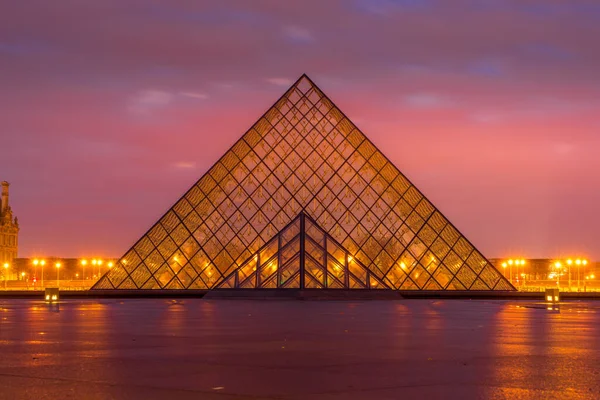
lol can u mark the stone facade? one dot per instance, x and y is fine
(9, 229)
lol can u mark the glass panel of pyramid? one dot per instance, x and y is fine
(305, 155)
(311, 255)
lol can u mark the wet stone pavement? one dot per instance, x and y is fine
(252, 349)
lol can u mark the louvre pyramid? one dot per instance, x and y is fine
(302, 256)
(304, 155)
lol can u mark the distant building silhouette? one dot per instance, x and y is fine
(9, 229)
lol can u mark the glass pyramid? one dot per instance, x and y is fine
(304, 155)
(302, 256)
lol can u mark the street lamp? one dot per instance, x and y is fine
(42, 263)
(57, 272)
(569, 263)
(523, 275)
(5, 274)
(83, 263)
(36, 262)
(516, 262)
(557, 266)
(584, 263)
(578, 263)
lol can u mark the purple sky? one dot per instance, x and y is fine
(110, 110)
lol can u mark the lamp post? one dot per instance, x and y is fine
(522, 263)
(5, 274)
(557, 265)
(35, 264)
(57, 274)
(569, 263)
(578, 263)
(83, 263)
(516, 263)
(587, 278)
(584, 263)
(42, 263)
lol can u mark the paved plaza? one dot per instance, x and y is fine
(253, 349)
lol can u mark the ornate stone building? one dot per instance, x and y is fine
(9, 229)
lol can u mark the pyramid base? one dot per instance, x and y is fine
(303, 294)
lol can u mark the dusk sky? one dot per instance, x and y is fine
(110, 110)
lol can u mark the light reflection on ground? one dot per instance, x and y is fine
(156, 348)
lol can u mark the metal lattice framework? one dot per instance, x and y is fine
(302, 256)
(305, 155)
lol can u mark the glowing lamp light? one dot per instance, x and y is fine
(503, 265)
(552, 295)
(584, 262)
(83, 262)
(36, 261)
(51, 295)
(110, 265)
(578, 261)
(510, 262)
(569, 261)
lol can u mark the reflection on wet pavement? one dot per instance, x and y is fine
(193, 348)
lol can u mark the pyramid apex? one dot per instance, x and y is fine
(304, 83)
(303, 77)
